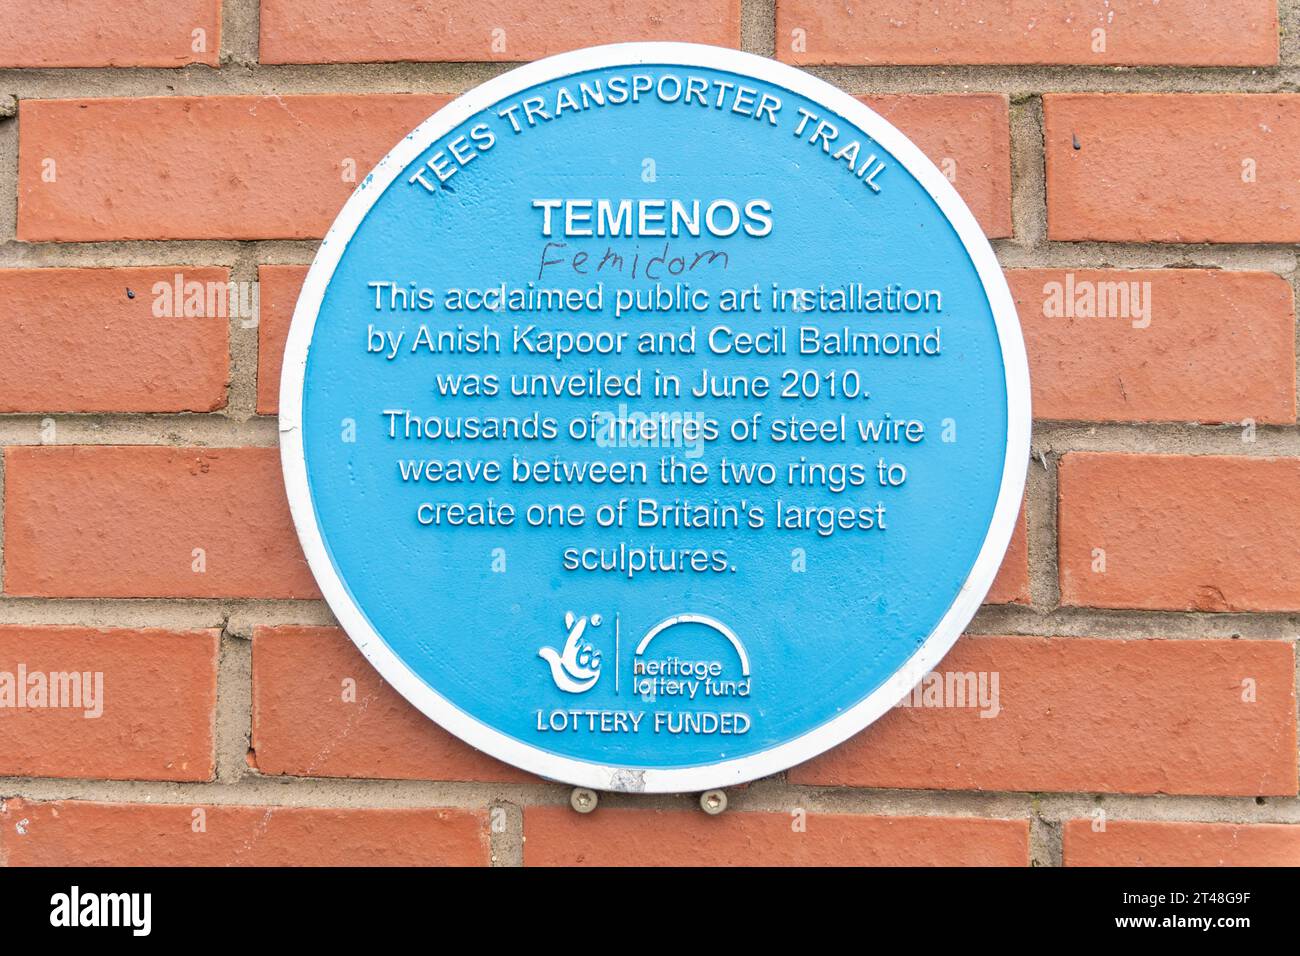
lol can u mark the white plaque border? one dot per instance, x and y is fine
(724, 772)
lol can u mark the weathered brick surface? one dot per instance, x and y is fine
(336, 31)
(279, 286)
(113, 340)
(134, 521)
(556, 836)
(118, 703)
(321, 710)
(1011, 586)
(1091, 32)
(1150, 843)
(37, 33)
(77, 833)
(1158, 345)
(1179, 532)
(1173, 167)
(208, 167)
(968, 136)
(1084, 714)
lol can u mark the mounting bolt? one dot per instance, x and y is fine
(583, 800)
(713, 802)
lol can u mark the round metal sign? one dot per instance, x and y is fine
(654, 417)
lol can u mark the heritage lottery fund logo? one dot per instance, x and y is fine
(631, 490)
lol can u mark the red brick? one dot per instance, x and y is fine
(279, 286)
(1179, 532)
(37, 33)
(968, 136)
(1011, 586)
(1169, 167)
(123, 521)
(1081, 715)
(556, 836)
(216, 167)
(944, 33)
(75, 833)
(303, 726)
(91, 340)
(1214, 347)
(144, 730)
(339, 31)
(1141, 843)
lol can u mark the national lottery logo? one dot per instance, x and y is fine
(576, 667)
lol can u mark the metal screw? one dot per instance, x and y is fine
(583, 800)
(713, 802)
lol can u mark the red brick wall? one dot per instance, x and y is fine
(1143, 629)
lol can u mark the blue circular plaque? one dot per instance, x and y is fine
(654, 417)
